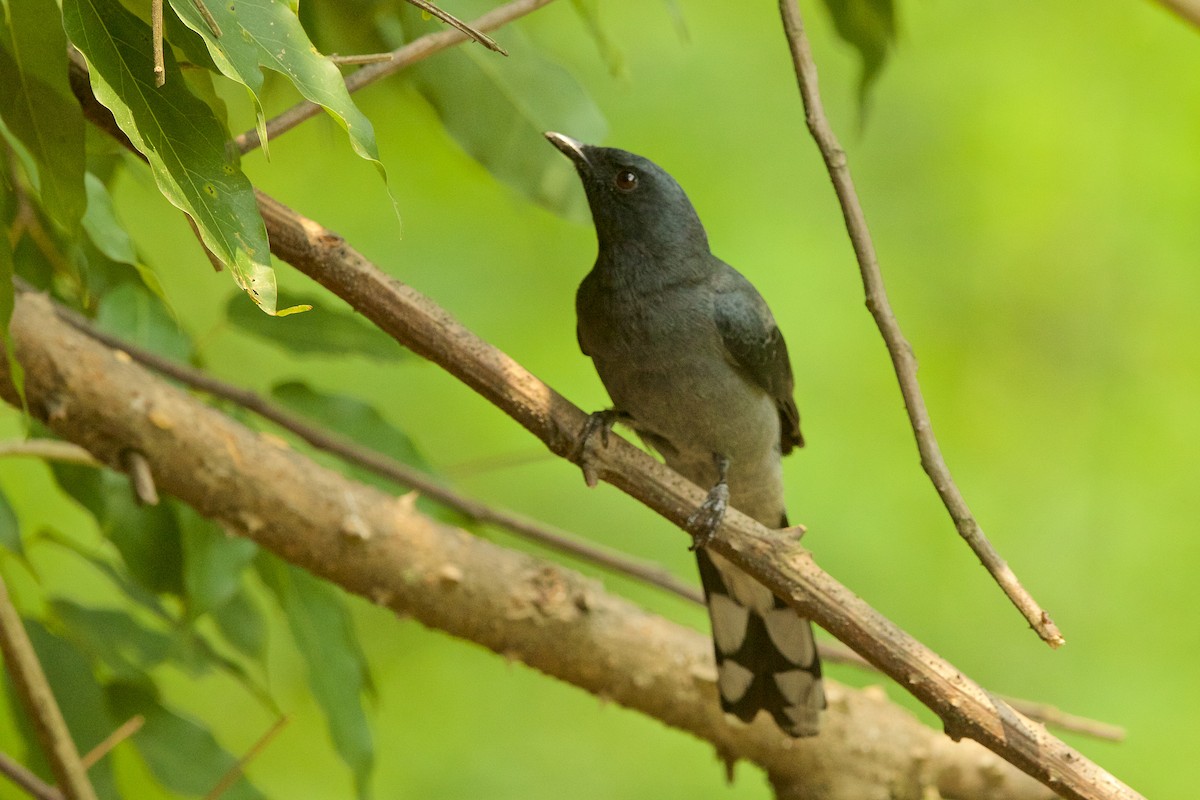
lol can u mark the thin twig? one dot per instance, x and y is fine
(236, 771)
(209, 19)
(140, 478)
(30, 783)
(389, 468)
(405, 56)
(903, 360)
(31, 686)
(49, 450)
(364, 58)
(123, 732)
(156, 32)
(455, 22)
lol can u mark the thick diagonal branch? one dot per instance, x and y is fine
(552, 618)
(903, 360)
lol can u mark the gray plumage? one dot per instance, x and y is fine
(694, 362)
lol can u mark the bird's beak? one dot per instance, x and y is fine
(571, 148)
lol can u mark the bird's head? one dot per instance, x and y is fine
(633, 200)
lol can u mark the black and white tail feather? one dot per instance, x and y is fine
(766, 655)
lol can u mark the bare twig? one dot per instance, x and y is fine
(457, 23)
(237, 770)
(49, 450)
(364, 58)
(31, 784)
(209, 19)
(1185, 9)
(389, 468)
(31, 686)
(525, 608)
(410, 53)
(128, 728)
(903, 360)
(156, 33)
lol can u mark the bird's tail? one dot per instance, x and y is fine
(766, 655)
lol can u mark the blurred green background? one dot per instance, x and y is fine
(1031, 173)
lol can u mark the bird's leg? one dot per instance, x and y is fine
(601, 422)
(705, 520)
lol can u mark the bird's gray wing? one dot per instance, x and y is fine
(755, 345)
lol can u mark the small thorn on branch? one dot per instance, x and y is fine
(138, 469)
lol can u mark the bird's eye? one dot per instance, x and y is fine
(626, 180)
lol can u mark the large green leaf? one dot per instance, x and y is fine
(136, 315)
(267, 33)
(147, 537)
(337, 669)
(181, 752)
(241, 623)
(324, 330)
(38, 107)
(213, 561)
(184, 142)
(8, 211)
(520, 97)
(109, 236)
(125, 645)
(870, 26)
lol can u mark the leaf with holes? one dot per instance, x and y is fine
(184, 142)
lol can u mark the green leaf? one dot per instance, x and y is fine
(147, 537)
(181, 752)
(81, 701)
(184, 142)
(38, 107)
(10, 530)
(241, 623)
(110, 237)
(136, 315)
(326, 330)
(337, 669)
(520, 97)
(870, 26)
(127, 647)
(352, 418)
(213, 561)
(267, 33)
(138, 594)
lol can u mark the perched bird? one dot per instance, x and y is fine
(695, 364)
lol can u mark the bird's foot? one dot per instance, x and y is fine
(597, 422)
(705, 520)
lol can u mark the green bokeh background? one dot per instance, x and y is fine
(1031, 173)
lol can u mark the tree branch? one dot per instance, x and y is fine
(1188, 10)
(552, 618)
(903, 360)
(402, 57)
(30, 783)
(31, 686)
(966, 709)
(529, 529)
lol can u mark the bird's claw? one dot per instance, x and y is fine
(705, 520)
(597, 421)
